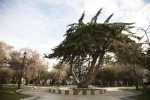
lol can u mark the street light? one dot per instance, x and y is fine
(102, 76)
(24, 56)
(59, 78)
(21, 74)
(24, 53)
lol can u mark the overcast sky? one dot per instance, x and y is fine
(41, 24)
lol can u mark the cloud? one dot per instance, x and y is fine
(27, 23)
(41, 24)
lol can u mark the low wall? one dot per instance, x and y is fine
(78, 91)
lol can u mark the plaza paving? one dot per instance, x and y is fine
(42, 93)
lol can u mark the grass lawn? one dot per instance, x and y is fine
(143, 96)
(9, 93)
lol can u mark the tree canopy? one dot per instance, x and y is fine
(89, 42)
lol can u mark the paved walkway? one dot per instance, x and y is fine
(41, 93)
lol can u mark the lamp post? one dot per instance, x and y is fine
(102, 76)
(24, 56)
(59, 78)
(21, 72)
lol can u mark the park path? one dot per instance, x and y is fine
(42, 93)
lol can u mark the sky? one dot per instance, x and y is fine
(41, 24)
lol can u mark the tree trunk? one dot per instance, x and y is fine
(27, 81)
(52, 82)
(86, 83)
(35, 82)
(140, 79)
(136, 77)
(145, 88)
(91, 72)
(136, 85)
(90, 76)
(19, 82)
(3, 79)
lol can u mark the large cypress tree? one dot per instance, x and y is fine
(88, 43)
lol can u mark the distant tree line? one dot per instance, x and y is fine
(15, 66)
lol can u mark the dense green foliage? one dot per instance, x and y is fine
(89, 42)
(116, 75)
(108, 76)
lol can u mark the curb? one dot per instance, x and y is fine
(129, 98)
(19, 90)
(29, 98)
(78, 91)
